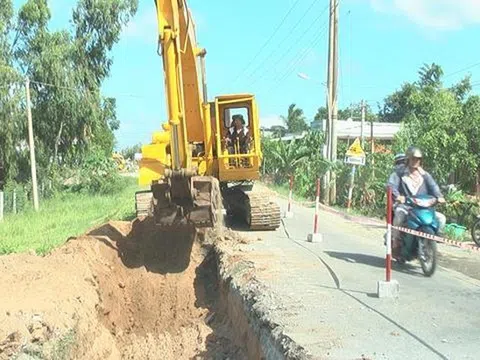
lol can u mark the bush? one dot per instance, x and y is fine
(99, 176)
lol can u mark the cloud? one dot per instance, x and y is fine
(436, 14)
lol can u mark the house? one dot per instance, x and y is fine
(350, 130)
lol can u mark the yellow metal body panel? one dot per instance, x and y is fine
(195, 128)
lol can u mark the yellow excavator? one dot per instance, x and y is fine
(198, 163)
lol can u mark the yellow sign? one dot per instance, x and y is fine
(355, 149)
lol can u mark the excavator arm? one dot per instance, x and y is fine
(181, 191)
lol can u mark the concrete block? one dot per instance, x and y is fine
(288, 215)
(315, 237)
(388, 289)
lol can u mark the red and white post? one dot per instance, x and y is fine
(289, 212)
(388, 288)
(315, 236)
(388, 257)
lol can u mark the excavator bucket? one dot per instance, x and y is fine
(186, 200)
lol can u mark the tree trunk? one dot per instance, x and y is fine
(478, 183)
(57, 140)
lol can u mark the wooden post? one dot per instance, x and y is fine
(1, 205)
(32, 147)
(14, 201)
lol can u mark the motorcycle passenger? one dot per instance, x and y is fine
(399, 163)
(413, 181)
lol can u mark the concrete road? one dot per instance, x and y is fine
(324, 294)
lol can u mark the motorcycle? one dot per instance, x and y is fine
(476, 231)
(421, 218)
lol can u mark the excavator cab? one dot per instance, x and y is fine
(237, 137)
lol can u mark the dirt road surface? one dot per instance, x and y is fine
(120, 292)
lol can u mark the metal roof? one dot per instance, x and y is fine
(348, 129)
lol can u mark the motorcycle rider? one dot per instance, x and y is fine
(413, 180)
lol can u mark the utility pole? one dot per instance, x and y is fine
(32, 147)
(332, 91)
(362, 128)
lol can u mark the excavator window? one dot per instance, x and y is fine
(233, 113)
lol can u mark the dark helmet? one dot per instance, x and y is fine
(400, 158)
(238, 117)
(414, 152)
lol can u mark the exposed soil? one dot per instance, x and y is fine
(124, 291)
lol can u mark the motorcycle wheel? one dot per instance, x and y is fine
(427, 254)
(476, 232)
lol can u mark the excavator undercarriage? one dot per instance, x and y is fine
(202, 207)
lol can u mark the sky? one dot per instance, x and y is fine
(261, 47)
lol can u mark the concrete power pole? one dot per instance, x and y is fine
(33, 163)
(328, 128)
(332, 79)
(362, 128)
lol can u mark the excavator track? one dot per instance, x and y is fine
(264, 214)
(255, 208)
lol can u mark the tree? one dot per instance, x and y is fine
(295, 120)
(430, 75)
(278, 130)
(322, 114)
(130, 151)
(66, 68)
(435, 119)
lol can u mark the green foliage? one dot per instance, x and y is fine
(66, 214)
(67, 68)
(281, 158)
(295, 120)
(99, 175)
(443, 122)
(129, 152)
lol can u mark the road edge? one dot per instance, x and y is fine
(238, 279)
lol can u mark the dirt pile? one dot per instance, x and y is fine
(124, 291)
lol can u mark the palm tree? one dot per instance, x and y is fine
(288, 155)
(295, 120)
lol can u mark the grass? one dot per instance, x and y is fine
(65, 215)
(284, 189)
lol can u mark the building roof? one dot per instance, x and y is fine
(348, 129)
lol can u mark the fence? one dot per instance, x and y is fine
(16, 198)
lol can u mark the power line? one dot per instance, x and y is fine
(462, 70)
(290, 34)
(279, 79)
(85, 90)
(289, 50)
(268, 41)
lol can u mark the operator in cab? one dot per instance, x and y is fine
(238, 132)
(412, 180)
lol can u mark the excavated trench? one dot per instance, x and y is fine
(138, 293)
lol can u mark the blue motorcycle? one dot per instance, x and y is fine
(421, 218)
